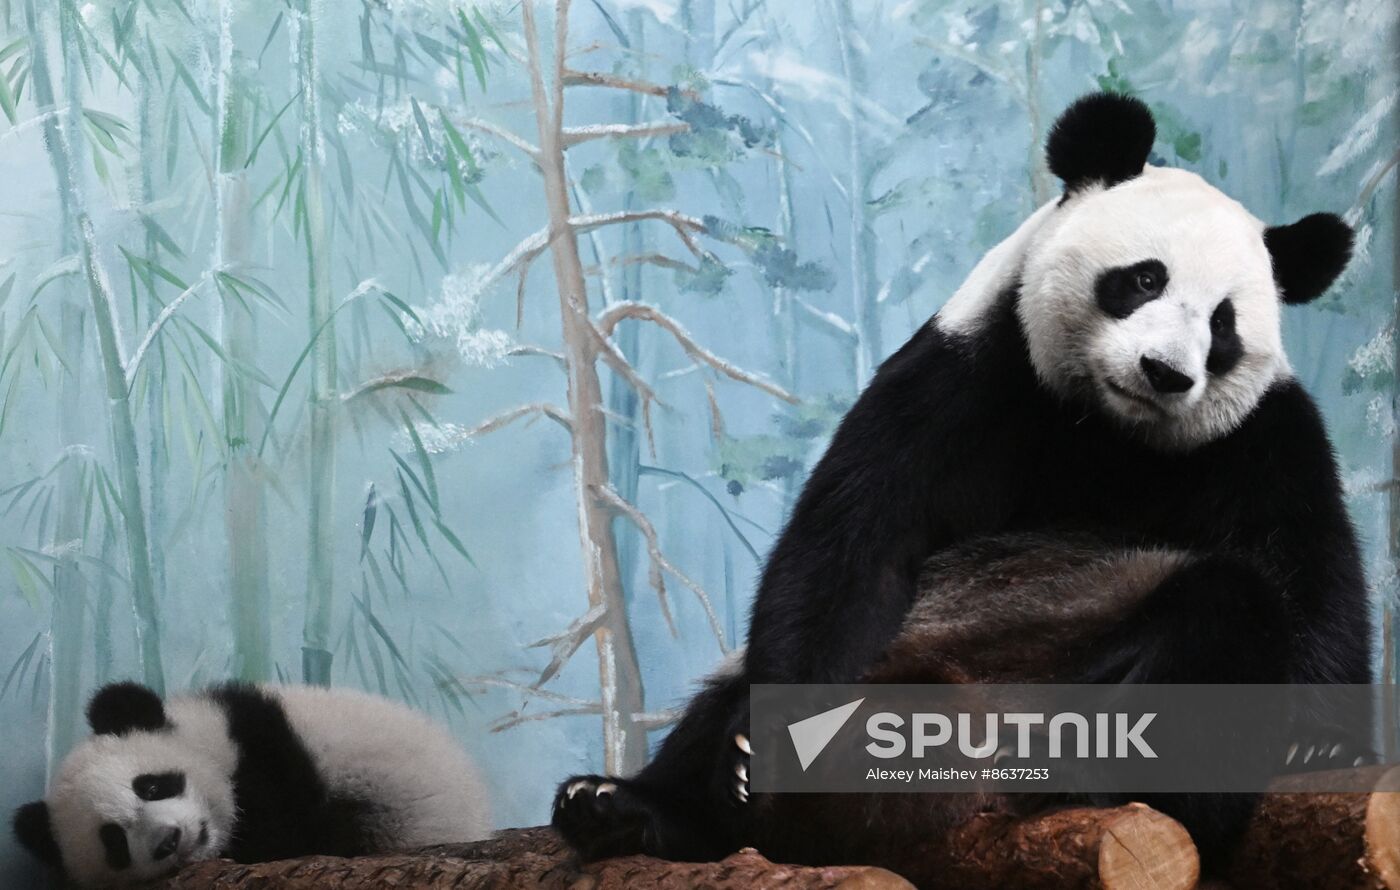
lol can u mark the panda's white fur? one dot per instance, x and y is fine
(416, 785)
(1214, 249)
(93, 787)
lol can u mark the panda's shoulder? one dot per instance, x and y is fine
(1288, 428)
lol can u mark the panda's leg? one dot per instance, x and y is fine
(1212, 621)
(673, 808)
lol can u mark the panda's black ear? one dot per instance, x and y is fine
(119, 708)
(35, 833)
(1308, 255)
(1102, 137)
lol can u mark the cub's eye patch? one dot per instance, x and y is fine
(1226, 348)
(158, 786)
(114, 844)
(1120, 292)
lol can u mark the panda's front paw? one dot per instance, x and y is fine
(1315, 755)
(600, 816)
(741, 754)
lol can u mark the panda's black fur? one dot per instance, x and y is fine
(1253, 573)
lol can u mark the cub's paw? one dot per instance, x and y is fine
(601, 817)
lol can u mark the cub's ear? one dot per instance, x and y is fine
(119, 708)
(1308, 255)
(34, 832)
(1102, 137)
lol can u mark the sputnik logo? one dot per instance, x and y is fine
(811, 736)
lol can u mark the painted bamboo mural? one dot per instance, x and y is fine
(244, 509)
(472, 351)
(320, 573)
(64, 146)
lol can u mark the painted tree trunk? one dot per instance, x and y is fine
(620, 680)
(865, 286)
(60, 132)
(320, 577)
(244, 510)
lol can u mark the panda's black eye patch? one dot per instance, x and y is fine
(114, 845)
(1226, 347)
(1121, 291)
(158, 786)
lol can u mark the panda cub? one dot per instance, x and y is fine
(1113, 372)
(251, 773)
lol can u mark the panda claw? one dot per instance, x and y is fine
(1292, 752)
(576, 787)
(743, 794)
(742, 772)
(742, 742)
(607, 789)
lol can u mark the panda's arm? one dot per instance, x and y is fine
(1298, 520)
(921, 461)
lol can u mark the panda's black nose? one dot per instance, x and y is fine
(1164, 378)
(168, 845)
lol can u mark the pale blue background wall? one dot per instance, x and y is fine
(848, 161)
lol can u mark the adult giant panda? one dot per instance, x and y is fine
(253, 773)
(1114, 369)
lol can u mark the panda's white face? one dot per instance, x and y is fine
(128, 808)
(1156, 300)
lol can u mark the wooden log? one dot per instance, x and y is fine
(1132, 846)
(520, 858)
(1310, 840)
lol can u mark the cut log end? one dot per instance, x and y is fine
(1382, 833)
(1142, 849)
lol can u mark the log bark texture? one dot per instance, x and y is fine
(525, 858)
(1124, 847)
(1132, 846)
(1297, 841)
(1323, 841)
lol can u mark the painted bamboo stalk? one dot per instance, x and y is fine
(157, 459)
(244, 508)
(865, 286)
(60, 132)
(620, 681)
(320, 578)
(67, 624)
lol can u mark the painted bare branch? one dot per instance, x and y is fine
(608, 321)
(505, 418)
(573, 78)
(517, 717)
(564, 644)
(501, 133)
(687, 227)
(539, 351)
(659, 563)
(529, 690)
(828, 321)
(575, 135)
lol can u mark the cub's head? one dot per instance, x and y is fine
(1152, 294)
(140, 798)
